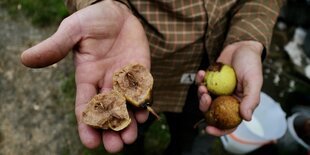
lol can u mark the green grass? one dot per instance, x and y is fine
(157, 137)
(41, 12)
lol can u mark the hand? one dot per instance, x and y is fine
(105, 37)
(245, 58)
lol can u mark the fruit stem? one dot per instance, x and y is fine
(199, 123)
(153, 112)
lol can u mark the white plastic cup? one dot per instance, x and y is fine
(267, 125)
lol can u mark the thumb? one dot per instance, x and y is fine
(54, 48)
(250, 99)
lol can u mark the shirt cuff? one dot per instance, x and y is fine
(251, 31)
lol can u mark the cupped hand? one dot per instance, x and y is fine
(245, 58)
(104, 37)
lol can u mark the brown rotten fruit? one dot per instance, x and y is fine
(135, 82)
(107, 111)
(224, 113)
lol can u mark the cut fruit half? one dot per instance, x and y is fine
(135, 82)
(107, 111)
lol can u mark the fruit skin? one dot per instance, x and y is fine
(220, 79)
(224, 113)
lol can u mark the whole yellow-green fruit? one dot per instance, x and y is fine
(220, 79)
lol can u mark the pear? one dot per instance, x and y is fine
(220, 79)
(224, 112)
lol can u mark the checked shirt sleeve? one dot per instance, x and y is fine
(254, 20)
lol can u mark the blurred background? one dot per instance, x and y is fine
(37, 105)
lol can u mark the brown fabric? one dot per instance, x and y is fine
(180, 31)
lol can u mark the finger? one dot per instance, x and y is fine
(129, 134)
(112, 141)
(205, 102)
(248, 105)
(105, 89)
(89, 136)
(141, 115)
(54, 48)
(250, 99)
(202, 90)
(217, 132)
(199, 77)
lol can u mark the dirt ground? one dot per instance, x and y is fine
(37, 111)
(33, 110)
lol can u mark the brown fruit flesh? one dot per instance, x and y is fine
(224, 113)
(107, 111)
(135, 82)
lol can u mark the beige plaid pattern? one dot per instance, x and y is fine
(179, 31)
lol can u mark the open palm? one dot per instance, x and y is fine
(104, 37)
